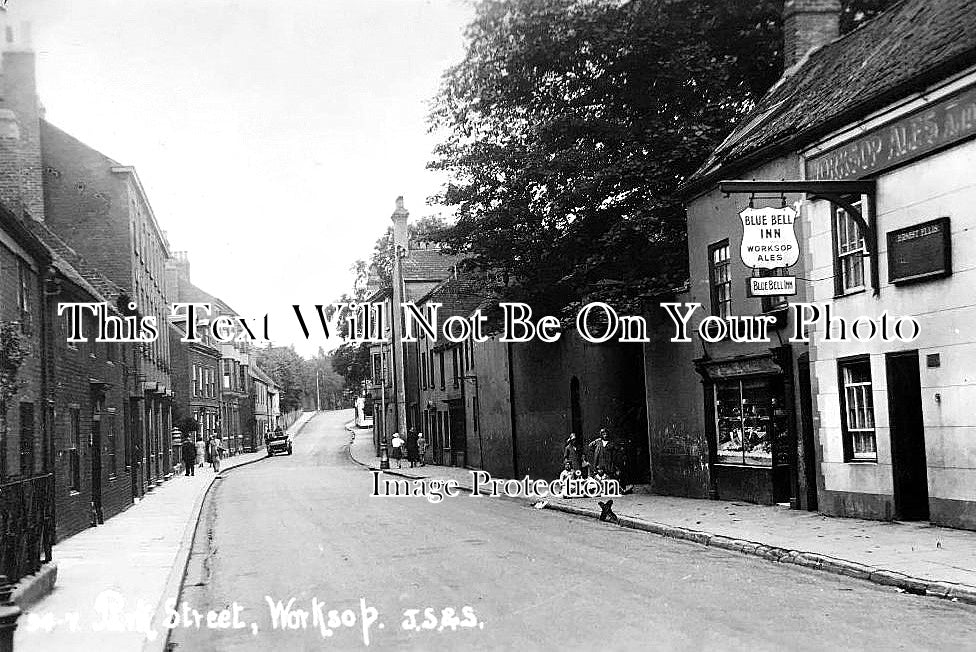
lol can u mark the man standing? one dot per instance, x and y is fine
(189, 453)
(601, 453)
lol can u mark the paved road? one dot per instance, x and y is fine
(305, 527)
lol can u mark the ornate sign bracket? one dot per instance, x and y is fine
(837, 193)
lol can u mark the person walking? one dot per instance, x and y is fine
(189, 454)
(397, 444)
(422, 448)
(201, 451)
(413, 453)
(215, 452)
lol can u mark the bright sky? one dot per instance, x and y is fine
(272, 137)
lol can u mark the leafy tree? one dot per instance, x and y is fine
(286, 368)
(321, 380)
(569, 124)
(431, 227)
(352, 362)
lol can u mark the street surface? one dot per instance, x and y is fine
(306, 527)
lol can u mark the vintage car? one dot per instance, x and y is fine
(277, 442)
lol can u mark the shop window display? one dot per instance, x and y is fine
(749, 419)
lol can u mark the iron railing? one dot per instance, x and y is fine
(26, 525)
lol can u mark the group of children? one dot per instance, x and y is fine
(414, 448)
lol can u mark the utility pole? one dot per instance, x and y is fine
(318, 393)
(399, 218)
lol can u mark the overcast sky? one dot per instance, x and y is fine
(272, 137)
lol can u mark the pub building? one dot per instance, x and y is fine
(875, 131)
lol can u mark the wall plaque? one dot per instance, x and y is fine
(920, 252)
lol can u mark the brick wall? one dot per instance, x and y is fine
(73, 425)
(29, 375)
(86, 204)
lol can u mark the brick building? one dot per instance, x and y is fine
(235, 410)
(509, 408)
(261, 421)
(101, 210)
(196, 380)
(92, 460)
(424, 267)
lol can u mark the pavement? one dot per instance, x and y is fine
(309, 558)
(913, 557)
(113, 579)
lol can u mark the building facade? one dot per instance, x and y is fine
(881, 426)
(122, 238)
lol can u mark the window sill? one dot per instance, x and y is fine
(867, 462)
(851, 293)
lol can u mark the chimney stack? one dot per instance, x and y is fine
(21, 180)
(808, 25)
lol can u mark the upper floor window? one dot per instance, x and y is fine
(857, 410)
(849, 252)
(24, 297)
(720, 278)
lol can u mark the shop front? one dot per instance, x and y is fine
(750, 427)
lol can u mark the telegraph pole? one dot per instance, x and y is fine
(318, 393)
(399, 218)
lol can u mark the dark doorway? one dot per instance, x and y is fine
(809, 456)
(907, 437)
(96, 469)
(459, 435)
(576, 413)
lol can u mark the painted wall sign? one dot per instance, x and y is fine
(771, 286)
(769, 238)
(920, 252)
(947, 121)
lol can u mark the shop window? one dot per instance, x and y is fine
(750, 416)
(849, 251)
(720, 278)
(857, 410)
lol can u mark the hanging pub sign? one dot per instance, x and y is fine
(769, 242)
(920, 252)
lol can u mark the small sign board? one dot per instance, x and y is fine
(768, 238)
(771, 286)
(920, 252)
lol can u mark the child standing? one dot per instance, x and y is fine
(397, 444)
(422, 448)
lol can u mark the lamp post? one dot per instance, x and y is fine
(384, 456)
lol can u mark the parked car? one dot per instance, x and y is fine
(277, 442)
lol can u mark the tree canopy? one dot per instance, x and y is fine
(568, 125)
